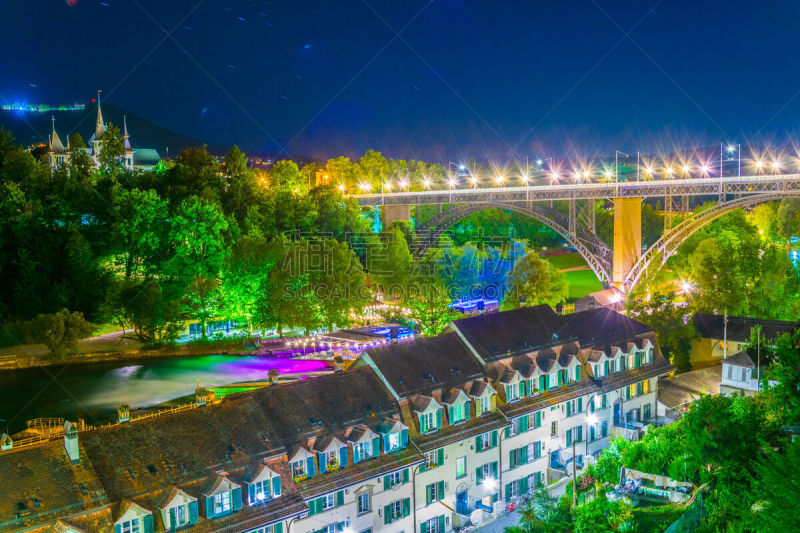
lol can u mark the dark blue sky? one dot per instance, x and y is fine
(486, 78)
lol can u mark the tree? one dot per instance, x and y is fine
(111, 151)
(143, 306)
(60, 332)
(671, 322)
(285, 176)
(202, 297)
(776, 490)
(197, 238)
(789, 218)
(765, 218)
(429, 308)
(545, 514)
(390, 264)
(80, 163)
(341, 286)
(140, 226)
(534, 281)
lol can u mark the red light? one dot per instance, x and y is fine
(94, 100)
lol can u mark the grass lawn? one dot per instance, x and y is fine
(566, 261)
(581, 283)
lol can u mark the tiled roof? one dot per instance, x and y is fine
(658, 367)
(683, 388)
(713, 327)
(43, 474)
(740, 359)
(416, 367)
(498, 335)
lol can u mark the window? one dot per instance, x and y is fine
(457, 413)
(363, 503)
(299, 468)
(512, 490)
(395, 478)
(434, 492)
(427, 422)
(131, 526)
(554, 428)
(512, 393)
(632, 391)
(536, 420)
(181, 516)
(461, 466)
(327, 502)
(222, 502)
(332, 459)
(394, 441)
(261, 490)
(361, 451)
(632, 361)
(645, 386)
(486, 404)
(268, 529)
(431, 526)
(513, 430)
(486, 441)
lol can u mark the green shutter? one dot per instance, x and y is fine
(580, 405)
(478, 444)
(523, 485)
(569, 437)
(438, 419)
(508, 491)
(478, 476)
(423, 527)
(405, 475)
(522, 455)
(278, 528)
(117, 528)
(569, 409)
(387, 514)
(376, 447)
(193, 515)
(429, 494)
(523, 424)
(538, 419)
(467, 409)
(494, 438)
(440, 490)
(386, 482)
(441, 522)
(512, 459)
(440, 457)
(494, 470)
(450, 415)
(172, 519)
(537, 449)
(340, 498)
(406, 506)
(148, 523)
(577, 373)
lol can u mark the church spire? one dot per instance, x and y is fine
(125, 137)
(55, 143)
(99, 128)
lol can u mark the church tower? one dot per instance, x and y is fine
(57, 154)
(99, 130)
(128, 157)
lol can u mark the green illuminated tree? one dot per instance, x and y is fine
(202, 297)
(535, 281)
(140, 226)
(284, 175)
(197, 236)
(111, 151)
(390, 264)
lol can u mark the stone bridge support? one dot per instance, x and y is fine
(392, 213)
(627, 237)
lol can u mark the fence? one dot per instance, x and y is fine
(690, 520)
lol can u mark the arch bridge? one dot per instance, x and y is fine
(622, 263)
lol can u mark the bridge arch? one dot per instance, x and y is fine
(596, 253)
(669, 242)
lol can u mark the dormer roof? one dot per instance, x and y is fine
(454, 396)
(169, 495)
(326, 444)
(258, 472)
(480, 389)
(360, 433)
(298, 450)
(545, 360)
(509, 374)
(215, 481)
(421, 403)
(389, 425)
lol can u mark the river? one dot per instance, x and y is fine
(93, 391)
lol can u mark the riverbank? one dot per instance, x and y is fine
(114, 347)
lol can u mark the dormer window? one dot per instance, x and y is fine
(361, 451)
(299, 469)
(222, 503)
(133, 525)
(457, 414)
(427, 422)
(512, 393)
(394, 442)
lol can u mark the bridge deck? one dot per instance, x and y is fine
(584, 191)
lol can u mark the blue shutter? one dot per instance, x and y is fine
(342, 456)
(209, 507)
(404, 438)
(276, 486)
(251, 493)
(117, 528)
(148, 523)
(278, 528)
(193, 514)
(376, 447)
(323, 463)
(237, 498)
(310, 467)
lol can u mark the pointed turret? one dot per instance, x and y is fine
(56, 146)
(100, 127)
(125, 137)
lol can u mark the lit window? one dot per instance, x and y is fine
(222, 502)
(431, 526)
(427, 422)
(361, 451)
(181, 517)
(461, 466)
(261, 491)
(394, 441)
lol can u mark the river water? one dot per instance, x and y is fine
(93, 391)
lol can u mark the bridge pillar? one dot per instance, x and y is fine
(391, 213)
(627, 236)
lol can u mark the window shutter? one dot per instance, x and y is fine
(278, 528)
(386, 482)
(441, 523)
(440, 457)
(569, 437)
(405, 475)
(580, 405)
(429, 494)
(508, 491)
(493, 402)
(209, 507)
(406, 506)
(310, 467)
(236, 496)
(523, 424)
(376, 447)
(538, 419)
(569, 409)
(340, 498)
(172, 520)
(387, 514)
(494, 470)
(538, 449)
(450, 414)
(438, 419)
(312, 507)
(577, 373)
(440, 490)
(512, 459)
(148, 522)
(386, 446)
(494, 438)
(478, 476)
(478, 444)
(542, 383)
(467, 409)
(323, 463)
(342, 456)
(423, 527)
(276, 486)
(404, 438)
(251, 494)
(522, 455)
(117, 528)
(193, 514)
(523, 485)
(604, 428)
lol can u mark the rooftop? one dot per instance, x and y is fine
(713, 327)
(687, 387)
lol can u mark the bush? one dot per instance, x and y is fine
(60, 332)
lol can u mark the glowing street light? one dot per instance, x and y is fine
(554, 176)
(426, 182)
(776, 165)
(387, 185)
(474, 182)
(452, 182)
(759, 165)
(578, 175)
(668, 171)
(685, 169)
(365, 186)
(341, 187)
(403, 184)
(648, 171)
(587, 174)
(687, 286)
(490, 484)
(704, 169)
(609, 174)
(499, 180)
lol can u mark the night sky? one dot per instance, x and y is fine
(485, 78)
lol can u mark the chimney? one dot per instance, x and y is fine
(123, 413)
(5, 442)
(71, 442)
